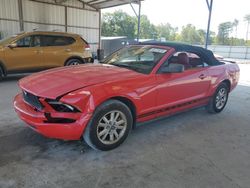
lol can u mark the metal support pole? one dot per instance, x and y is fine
(20, 12)
(100, 30)
(210, 8)
(139, 22)
(247, 32)
(66, 18)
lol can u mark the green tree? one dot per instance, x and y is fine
(166, 31)
(191, 35)
(118, 24)
(225, 29)
(235, 24)
(247, 19)
(148, 30)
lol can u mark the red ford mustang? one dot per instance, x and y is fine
(103, 102)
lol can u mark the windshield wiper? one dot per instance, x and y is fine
(121, 65)
(127, 67)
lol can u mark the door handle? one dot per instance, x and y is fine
(202, 76)
(68, 50)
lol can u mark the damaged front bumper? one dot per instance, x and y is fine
(59, 125)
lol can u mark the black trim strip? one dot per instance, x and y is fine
(169, 108)
(57, 120)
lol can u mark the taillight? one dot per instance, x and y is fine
(87, 47)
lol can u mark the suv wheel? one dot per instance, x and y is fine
(73, 62)
(109, 126)
(1, 73)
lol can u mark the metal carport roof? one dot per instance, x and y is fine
(101, 4)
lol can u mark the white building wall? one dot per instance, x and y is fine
(9, 17)
(84, 23)
(43, 13)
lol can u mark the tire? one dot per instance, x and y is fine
(1, 73)
(99, 131)
(219, 100)
(74, 61)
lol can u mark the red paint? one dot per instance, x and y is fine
(86, 87)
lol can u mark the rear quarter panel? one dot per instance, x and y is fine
(220, 73)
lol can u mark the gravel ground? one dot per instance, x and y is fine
(192, 149)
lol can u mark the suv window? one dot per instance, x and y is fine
(36, 41)
(56, 40)
(24, 42)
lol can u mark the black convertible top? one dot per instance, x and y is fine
(207, 55)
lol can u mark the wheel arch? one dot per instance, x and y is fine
(74, 57)
(228, 83)
(129, 104)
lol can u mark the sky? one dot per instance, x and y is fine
(181, 12)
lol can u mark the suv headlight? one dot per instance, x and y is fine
(62, 107)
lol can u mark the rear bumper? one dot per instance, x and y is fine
(39, 123)
(88, 60)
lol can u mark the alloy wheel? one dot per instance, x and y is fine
(221, 98)
(111, 127)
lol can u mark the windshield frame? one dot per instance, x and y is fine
(108, 58)
(12, 38)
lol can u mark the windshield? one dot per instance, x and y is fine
(6, 40)
(9, 39)
(138, 58)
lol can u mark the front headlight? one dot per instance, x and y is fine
(62, 107)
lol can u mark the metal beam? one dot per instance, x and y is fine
(20, 12)
(134, 10)
(101, 4)
(210, 8)
(139, 23)
(138, 15)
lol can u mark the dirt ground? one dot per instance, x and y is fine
(192, 149)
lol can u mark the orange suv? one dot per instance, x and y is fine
(34, 51)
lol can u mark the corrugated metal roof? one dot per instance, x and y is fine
(101, 4)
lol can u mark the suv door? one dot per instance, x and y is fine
(57, 49)
(177, 89)
(25, 56)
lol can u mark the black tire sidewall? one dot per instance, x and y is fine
(68, 63)
(222, 85)
(91, 130)
(1, 73)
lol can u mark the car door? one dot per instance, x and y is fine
(177, 89)
(57, 49)
(24, 56)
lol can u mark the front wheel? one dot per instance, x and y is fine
(1, 73)
(219, 100)
(109, 126)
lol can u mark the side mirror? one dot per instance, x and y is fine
(173, 68)
(12, 45)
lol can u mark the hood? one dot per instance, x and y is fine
(57, 82)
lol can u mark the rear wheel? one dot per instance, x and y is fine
(1, 73)
(109, 127)
(219, 100)
(71, 62)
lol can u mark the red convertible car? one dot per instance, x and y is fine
(103, 102)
